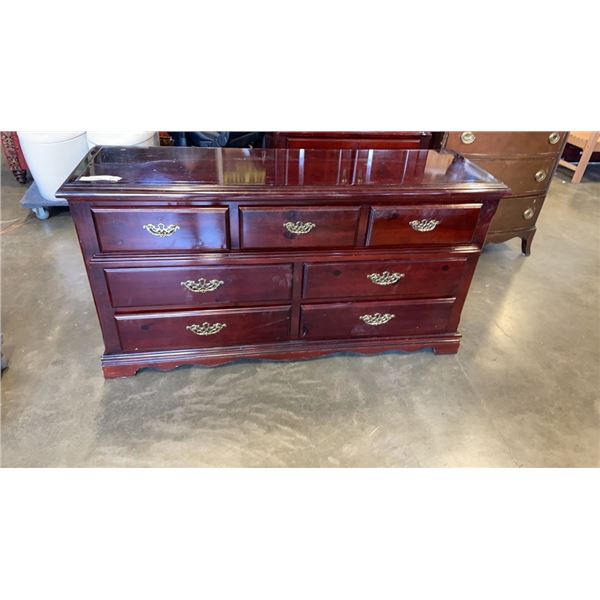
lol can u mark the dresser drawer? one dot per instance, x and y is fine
(517, 213)
(522, 176)
(392, 278)
(199, 286)
(298, 227)
(422, 224)
(202, 329)
(158, 229)
(505, 142)
(375, 319)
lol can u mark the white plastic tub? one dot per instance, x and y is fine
(51, 156)
(122, 138)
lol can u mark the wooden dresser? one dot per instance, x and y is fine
(359, 140)
(525, 161)
(204, 256)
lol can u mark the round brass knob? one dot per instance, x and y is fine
(467, 137)
(540, 175)
(528, 214)
(554, 137)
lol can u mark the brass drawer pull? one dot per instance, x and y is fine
(385, 278)
(377, 318)
(202, 286)
(528, 214)
(161, 230)
(554, 137)
(299, 228)
(540, 175)
(206, 328)
(467, 137)
(424, 225)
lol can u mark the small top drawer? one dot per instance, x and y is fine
(422, 224)
(505, 142)
(298, 227)
(159, 229)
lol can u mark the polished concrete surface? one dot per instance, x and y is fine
(522, 391)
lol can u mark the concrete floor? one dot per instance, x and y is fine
(522, 391)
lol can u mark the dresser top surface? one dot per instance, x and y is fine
(115, 168)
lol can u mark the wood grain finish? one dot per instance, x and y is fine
(354, 144)
(346, 147)
(350, 140)
(351, 320)
(317, 168)
(367, 169)
(234, 327)
(520, 174)
(519, 212)
(199, 286)
(507, 143)
(325, 227)
(128, 364)
(377, 279)
(398, 225)
(239, 283)
(125, 229)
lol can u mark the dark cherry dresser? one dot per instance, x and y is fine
(204, 256)
(525, 161)
(349, 140)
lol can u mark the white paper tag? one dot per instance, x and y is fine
(109, 178)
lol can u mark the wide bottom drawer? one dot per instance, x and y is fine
(203, 328)
(375, 319)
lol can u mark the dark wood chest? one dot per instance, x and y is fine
(204, 256)
(525, 161)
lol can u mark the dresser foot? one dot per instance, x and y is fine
(450, 348)
(526, 240)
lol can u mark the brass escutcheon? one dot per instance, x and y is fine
(299, 227)
(202, 286)
(377, 318)
(161, 230)
(424, 225)
(206, 328)
(385, 278)
(467, 137)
